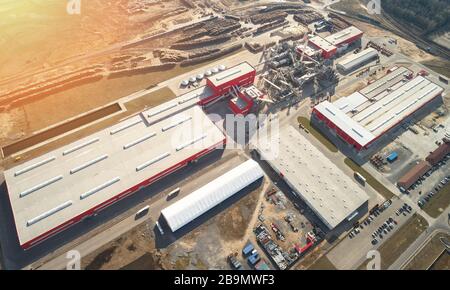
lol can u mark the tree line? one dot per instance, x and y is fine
(427, 15)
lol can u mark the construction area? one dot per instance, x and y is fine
(129, 150)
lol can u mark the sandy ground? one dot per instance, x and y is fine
(62, 36)
(405, 47)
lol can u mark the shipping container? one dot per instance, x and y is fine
(253, 259)
(262, 265)
(248, 249)
(392, 157)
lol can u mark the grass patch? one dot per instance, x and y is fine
(372, 181)
(425, 258)
(307, 124)
(392, 249)
(322, 264)
(443, 263)
(352, 7)
(439, 202)
(440, 66)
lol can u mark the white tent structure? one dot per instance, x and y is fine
(212, 194)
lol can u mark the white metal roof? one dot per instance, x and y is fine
(231, 74)
(398, 104)
(331, 194)
(345, 123)
(354, 60)
(54, 188)
(385, 82)
(396, 98)
(307, 49)
(343, 35)
(215, 192)
(322, 43)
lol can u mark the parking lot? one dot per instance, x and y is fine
(433, 181)
(369, 235)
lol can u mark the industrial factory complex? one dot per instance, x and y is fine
(281, 135)
(51, 193)
(329, 46)
(364, 117)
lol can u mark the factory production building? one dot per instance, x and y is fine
(354, 61)
(364, 117)
(50, 193)
(212, 194)
(331, 45)
(333, 196)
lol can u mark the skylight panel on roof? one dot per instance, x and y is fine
(100, 188)
(192, 142)
(126, 126)
(40, 186)
(81, 146)
(49, 213)
(176, 124)
(89, 163)
(138, 141)
(152, 161)
(34, 166)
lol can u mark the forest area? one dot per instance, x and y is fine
(427, 15)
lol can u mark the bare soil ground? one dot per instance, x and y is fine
(404, 46)
(62, 36)
(352, 88)
(443, 263)
(206, 247)
(60, 129)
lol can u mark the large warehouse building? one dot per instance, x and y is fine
(329, 46)
(212, 194)
(354, 61)
(58, 189)
(365, 116)
(242, 75)
(345, 37)
(332, 195)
